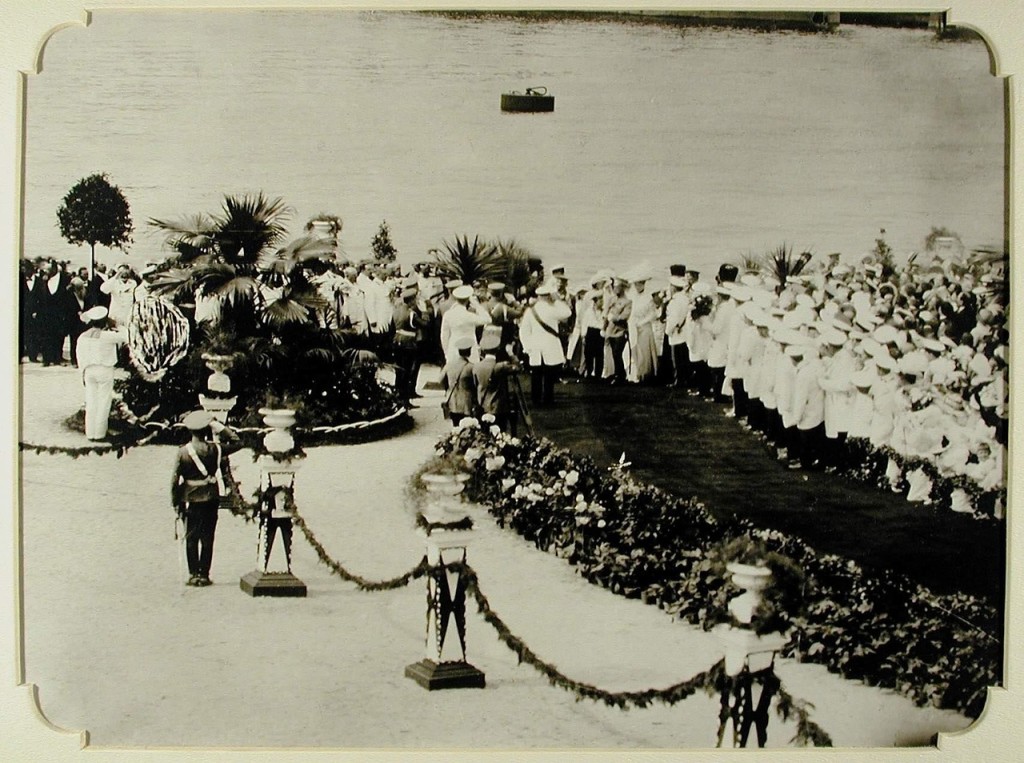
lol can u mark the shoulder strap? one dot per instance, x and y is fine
(191, 449)
(455, 384)
(542, 324)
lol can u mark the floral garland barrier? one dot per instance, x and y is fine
(236, 502)
(711, 681)
(118, 447)
(421, 569)
(642, 542)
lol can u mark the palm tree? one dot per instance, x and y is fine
(232, 256)
(516, 258)
(781, 263)
(469, 262)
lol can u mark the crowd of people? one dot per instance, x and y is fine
(54, 297)
(827, 363)
(833, 365)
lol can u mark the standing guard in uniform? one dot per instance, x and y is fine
(196, 489)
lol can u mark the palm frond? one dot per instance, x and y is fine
(296, 252)
(361, 357)
(469, 262)
(171, 282)
(323, 354)
(517, 264)
(782, 264)
(190, 236)
(749, 262)
(283, 311)
(247, 225)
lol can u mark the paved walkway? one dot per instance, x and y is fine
(118, 646)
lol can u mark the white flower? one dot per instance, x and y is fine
(495, 430)
(495, 463)
(487, 418)
(472, 454)
(601, 523)
(468, 423)
(507, 483)
(549, 491)
(572, 477)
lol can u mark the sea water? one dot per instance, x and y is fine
(666, 145)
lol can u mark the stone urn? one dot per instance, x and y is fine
(444, 497)
(322, 229)
(752, 579)
(280, 420)
(218, 381)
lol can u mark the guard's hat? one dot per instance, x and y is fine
(728, 272)
(97, 313)
(491, 339)
(677, 270)
(463, 292)
(197, 420)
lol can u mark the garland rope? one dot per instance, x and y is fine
(421, 569)
(117, 447)
(710, 680)
(162, 425)
(706, 680)
(806, 729)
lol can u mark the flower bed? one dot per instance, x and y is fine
(639, 541)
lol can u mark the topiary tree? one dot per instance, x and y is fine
(94, 212)
(381, 245)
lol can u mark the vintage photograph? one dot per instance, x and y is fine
(514, 380)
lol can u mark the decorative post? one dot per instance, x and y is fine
(448, 532)
(749, 660)
(277, 482)
(218, 404)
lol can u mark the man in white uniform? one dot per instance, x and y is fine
(538, 333)
(461, 321)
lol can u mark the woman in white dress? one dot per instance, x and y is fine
(97, 355)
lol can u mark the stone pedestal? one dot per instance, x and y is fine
(277, 482)
(260, 583)
(750, 684)
(445, 675)
(445, 665)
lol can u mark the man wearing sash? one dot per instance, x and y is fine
(538, 333)
(196, 489)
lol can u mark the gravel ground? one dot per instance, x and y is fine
(118, 646)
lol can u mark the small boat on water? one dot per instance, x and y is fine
(535, 99)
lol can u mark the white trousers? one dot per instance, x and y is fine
(99, 394)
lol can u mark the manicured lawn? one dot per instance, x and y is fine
(686, 445)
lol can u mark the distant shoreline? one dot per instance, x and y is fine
(805, 21)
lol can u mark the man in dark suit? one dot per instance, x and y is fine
(56, 308)
(94, 295)
(29, 334)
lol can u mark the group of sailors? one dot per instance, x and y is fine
(832, 366)
(837, 362)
